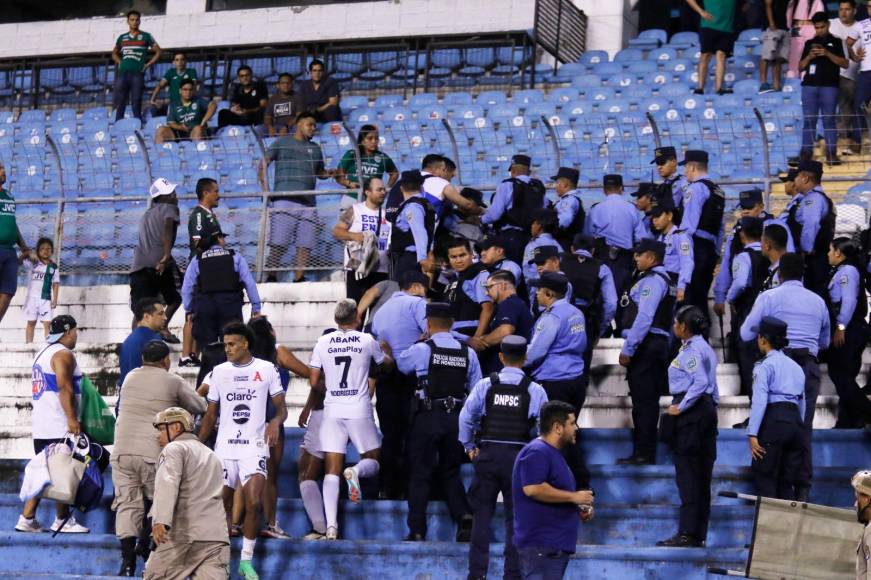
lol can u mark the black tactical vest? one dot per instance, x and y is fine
(565, 236)
(583, 275)
(446, 376)
(399, 240)
(664, 311)
(217, 273)
(525, 198)
(464, 306)
(826, 233)
(506, 415)
(758, 276)
(711, 218)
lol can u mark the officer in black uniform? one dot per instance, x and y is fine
(413, 230)
(445, 371)
(502, 410)
(217, 276)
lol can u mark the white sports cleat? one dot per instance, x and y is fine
(332, 533)
(71, 527)
(28, 525)
(355, 494)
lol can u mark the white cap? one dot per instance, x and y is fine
(161, 187)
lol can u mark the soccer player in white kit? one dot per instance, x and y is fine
(239, 389)
(344, 357)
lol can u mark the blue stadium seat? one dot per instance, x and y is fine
(385, 62)
(430, 114)
(527, 96)
(607, 69)
(683, 40)
(346, 66)
(568, 71)
(509, 60)
(588, 81)
(562, 94)
(363, 115)
(478, 58)
(654, 104)
(391, 115)
(261, 67)
(32, 117)
(662, 54)
(95, 113)
(600, 95)
(420, 100)
(652, 80)
(95, 184)
(504, 113)
(385, 101)
(620, 81)
(628, 55)
(243, 181)
(352, 102)
(455, 99)
(62, 116)
(288, 64)
(133, 183)
(577, 109)
(744, 67)
(642, 67)
(489, 98)
(446, 58)
(747, 39)
(468, 114)
(540, 109)
(593, 58)
(651, 38)
(677, 66)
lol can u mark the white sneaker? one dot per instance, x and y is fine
(314, 535)
(28, 525)
(355, 494)
(332, 533)
(71, 527)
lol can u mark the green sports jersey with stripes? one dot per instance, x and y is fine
(134, 51)
(8, 225)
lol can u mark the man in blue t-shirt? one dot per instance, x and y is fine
(150, 313)
(546, 506)
(512, 316)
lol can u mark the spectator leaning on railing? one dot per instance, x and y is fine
(283, 107)
(130, 52)
(171, 81)
(188, 118)
(248, 100)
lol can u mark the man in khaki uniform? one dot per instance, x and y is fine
(189, 523)
(862, 485)
(147, 390)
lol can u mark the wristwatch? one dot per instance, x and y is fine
(841, 327)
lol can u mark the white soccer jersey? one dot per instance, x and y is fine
(863, 37)
(345, 357)
(242, 392)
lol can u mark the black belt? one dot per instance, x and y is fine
(446, 404)
(799, 355)
(789, 405)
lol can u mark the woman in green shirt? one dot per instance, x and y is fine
(374, 162)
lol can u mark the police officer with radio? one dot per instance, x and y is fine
(497, 420)
(815, 219)
(646, 320)
(568, 206)
(512, 205)
(445, 371)
(217, 276)
(414, 229)
(674, 185)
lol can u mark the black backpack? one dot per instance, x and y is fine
(525, 198)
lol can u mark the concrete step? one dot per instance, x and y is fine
(98, 554)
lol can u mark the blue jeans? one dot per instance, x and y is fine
(816, 102)
(543, 563)
(128, 85)
(862, 95)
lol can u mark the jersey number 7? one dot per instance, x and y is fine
(345, 361)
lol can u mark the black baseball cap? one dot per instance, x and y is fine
(663, 154)
(696, 155)
(542, 254)
(495, 241)
(524, 160)
(649, 245)
(555, 281)
(811, 166)
(790, 175)
(644, 188)
(569, 173)
(612, 180)
(749, 198)
(59, 326)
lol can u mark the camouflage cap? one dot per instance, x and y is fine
(861, 482)
(174, 415)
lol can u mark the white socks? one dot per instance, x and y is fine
(248, 548)
(331, 499)
(367, 468)
(313, 502)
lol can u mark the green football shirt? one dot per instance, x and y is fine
(134, 51)
(203, 227)
(189, 115)
(174, 79)
(8, 225)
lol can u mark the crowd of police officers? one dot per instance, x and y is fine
(516, 327)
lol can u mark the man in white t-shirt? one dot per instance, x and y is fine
(859, 44)
(345, 358)
(844, 27)
(439, 190)
(239, 389)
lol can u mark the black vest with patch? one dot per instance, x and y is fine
(399, 240)
(758, 276)
(217, 272)
(446, 375)
(464, 306)
(711, 219)
(506, 416)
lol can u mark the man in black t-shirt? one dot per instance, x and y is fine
(248, 100)
(821, 60)
(512, 316)
(321, 94)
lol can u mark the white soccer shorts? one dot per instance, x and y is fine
(311, 439)
(38, 309)
(239, 471)
(362, 432)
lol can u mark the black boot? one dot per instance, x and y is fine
(128, 557)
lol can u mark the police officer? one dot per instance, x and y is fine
(445, 370)
(493, 255)
(789, 215)
(189, 524)
(546, 259)
(779, 441)
(569, 207)
(646, 320)
(217, 276)
(692, 384)
(646, 198)
(702, 219)
(678, 261)
(555, 357)
(617, 227)
(848, 306)
(512, 206)
(512, 317)
(414, 229)
(398, 324)
(498, 419)
(816, 223)
(593, 291)
(544, 222)
(673, 184)
(472, 307)
(775, 238)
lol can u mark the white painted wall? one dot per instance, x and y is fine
(610, 24)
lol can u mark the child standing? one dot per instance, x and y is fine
(42, 291)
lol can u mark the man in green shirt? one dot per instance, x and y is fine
(187, 118)
(171, 81)
(716, 37)
(130, 54)
(10, 235)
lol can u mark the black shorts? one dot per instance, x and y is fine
(712, 41)
(40, 444)
(147, 282)
(180, 136)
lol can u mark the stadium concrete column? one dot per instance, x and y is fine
(610, 25)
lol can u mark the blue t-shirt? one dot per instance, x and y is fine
(284, 375)
(515, 312)
(131, 349)
(539, 524)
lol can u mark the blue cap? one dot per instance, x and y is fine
(811, 166)
(696, 155)
(650, 245)
(542, 254)
(439, 310)
(513, 345)
(570, 173)
(771, 327)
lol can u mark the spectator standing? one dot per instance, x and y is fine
(150, 312)
(352, 228)
(546, 505)
(511, 317)
(717, 38)
(130, 52)
(9, 236)
(57, 395)
(171, 81)
(187, 501)
(859, 44)
(283, 107)
(374, 162)
(849, 125)
(148, 390)
(188, 117)
(154, 271)
(248, 100)
(821, 60)
(42, 290)
(775, 45)
(799, 21)
(299, 163)
(321, 94)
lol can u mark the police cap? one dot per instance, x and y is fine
(696, 155)
(583, 242)
(771, 327)
(439, 310)
(555, 281)
(811, 166)
(612, 180)
(649, 245)
(524, 160)
(411, 179)
(749, 198)
(542, 254)
(569, 173)
(545, 216)
(790, 175)
(663, 154)
(174, 415)
(513, 345)
(645, 188)
(473, 194)
(495, 241)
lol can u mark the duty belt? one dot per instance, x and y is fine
(799, 355)
(448, 404)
